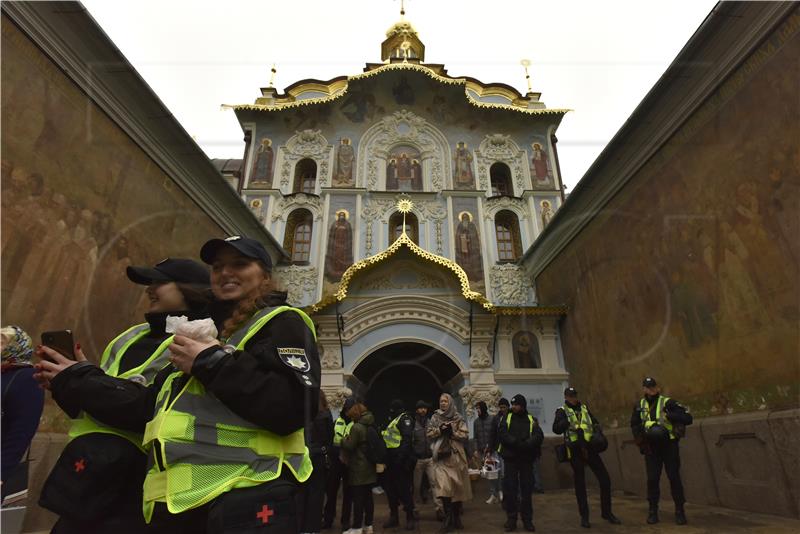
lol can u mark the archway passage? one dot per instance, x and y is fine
(405, 371)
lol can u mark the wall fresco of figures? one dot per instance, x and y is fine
(691, 273)
(80, 203)
(339, 248)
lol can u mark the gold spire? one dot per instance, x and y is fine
(527, 63)
(272, 76)
(404, 205)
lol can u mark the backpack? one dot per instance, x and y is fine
(376, 447)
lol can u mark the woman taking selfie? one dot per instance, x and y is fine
(96, 484)
(223, 425)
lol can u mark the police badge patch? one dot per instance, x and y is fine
(295, 358)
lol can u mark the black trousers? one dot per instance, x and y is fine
(363, 505)
(337, 475)
(312, 494)
(580, 458)
(518, 490)
(398, 483)
(666, 455)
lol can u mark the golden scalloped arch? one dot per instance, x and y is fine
(371, 261)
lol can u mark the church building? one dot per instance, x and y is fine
(405, 197)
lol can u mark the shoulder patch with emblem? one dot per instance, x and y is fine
(295, 358)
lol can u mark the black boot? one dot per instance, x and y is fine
(447, 524)
(393, 520)
(511, 524)
(457, 516)
(680, 515)
(411, 522)
(652, 515)
(585, 522)
(611, 518)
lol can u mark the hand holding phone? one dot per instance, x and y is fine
(60, 341)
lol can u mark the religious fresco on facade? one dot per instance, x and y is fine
(263, 164)
(339, 254)
(258, 205)
(344, 171)
(708, 281)
(526, 350)
(545, 208)
(467, 240)
(404, 169)
(463, 177)
(71, 225)
(541, 170)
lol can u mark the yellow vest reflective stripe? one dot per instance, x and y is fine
(206, 449)
(508, 425)
(110, 362)
(575, 423)
(340, 430)
(391, 436)
(661, 415)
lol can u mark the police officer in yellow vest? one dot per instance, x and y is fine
(577, 423)
(96, 484)
(398, 478)
(658, 423)
(337, 472)
(223, 424)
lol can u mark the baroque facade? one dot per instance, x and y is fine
(405, 198)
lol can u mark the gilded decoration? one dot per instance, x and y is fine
(499, 148)
(286, 205)
(337, 90)
(490, 394)
(510, 285)
(298, 281)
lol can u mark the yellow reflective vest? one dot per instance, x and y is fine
(578, 422)
(206, 449)
(661, 416)
(508, 425)
(392, 436)
(340, 430)
(110, 362)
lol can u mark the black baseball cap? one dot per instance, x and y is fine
(246, 246)
(649, 382)
(170, 270)
(503, 402)
(423, 404)
(519, 399)
(570, 392)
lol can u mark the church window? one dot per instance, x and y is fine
(509, 244)
(500, 176)
(305, 176)
(396, 227)
(297, 239)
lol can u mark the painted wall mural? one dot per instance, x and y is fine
(403, 169)
(345, 162)
(541, 170)
(263, 165)
(707, 284)
(526, 350)
(339, 255)
(467, 240)
(463, 177)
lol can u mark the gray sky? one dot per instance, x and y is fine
(597, 58)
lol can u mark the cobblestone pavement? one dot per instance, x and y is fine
(556, 511)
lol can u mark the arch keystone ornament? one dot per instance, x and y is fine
(309, 144)
(499, 148)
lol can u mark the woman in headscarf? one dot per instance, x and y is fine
(450, 433)
(22, 403)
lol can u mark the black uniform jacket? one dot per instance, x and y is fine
(675, 412)
(561, 423)
(404, 454)
(254, 383)
(518, 444)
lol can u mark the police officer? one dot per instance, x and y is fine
(224, 424)
(400, 462)
(519, 437)
(96, 484)
(658, 423)
(577, 423)
(337, 473)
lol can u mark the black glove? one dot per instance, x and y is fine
(446, 429)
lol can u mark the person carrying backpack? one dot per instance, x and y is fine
(361, 450)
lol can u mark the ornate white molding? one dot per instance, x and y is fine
(436, 212)
(337, 395)
(501, 148)
(490, 394)
(306, 144)
(372, 211)
(299, 281)
(330, 356)
(403, 128)
(510, 285)
(481, 357)
(285, 205)
(493, 205)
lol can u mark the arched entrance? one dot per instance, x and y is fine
(407, 371)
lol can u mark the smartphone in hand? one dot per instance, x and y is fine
(60, 341)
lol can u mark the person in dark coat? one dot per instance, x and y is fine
(658, 423)
(22, 405)
(361, 475)
(338, 472)
(398, 478)
(319, 436)
(520, 437)
(577, 423)
(270, 360)
(482, 433)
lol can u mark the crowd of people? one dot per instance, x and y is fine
(208, 417)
